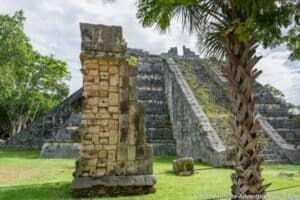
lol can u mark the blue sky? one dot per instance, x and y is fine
(53, 27)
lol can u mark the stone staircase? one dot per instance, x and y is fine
(277, 115)
(51, 126)
(275, 111)
(73, 126)
(68, 147)
(152, 93)
(271, 153)
(291, 136)
(165, 94)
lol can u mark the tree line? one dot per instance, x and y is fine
(30, 83)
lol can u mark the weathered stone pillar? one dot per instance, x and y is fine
(114, 157)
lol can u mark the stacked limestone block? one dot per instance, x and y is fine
(114, 157)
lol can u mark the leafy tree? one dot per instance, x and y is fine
(235, 29)
(30, 83)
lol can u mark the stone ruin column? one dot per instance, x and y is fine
(114, 157)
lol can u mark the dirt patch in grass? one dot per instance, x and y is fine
(14, 175)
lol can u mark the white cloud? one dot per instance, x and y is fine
(53, 27)
(281, 73)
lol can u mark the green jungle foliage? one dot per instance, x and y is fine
(30, 83)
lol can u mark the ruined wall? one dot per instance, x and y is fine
(272, 112)
(151, 92)
(192, 131)
(113, 132)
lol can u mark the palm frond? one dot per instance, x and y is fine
(191, 13)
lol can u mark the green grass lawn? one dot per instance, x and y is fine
(24, 176)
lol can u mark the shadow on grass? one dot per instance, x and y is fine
(47, 191)
(16, 153)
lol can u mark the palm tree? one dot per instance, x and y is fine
(236, 28)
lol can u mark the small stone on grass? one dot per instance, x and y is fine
(183, 166)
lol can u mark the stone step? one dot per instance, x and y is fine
(151, 83)
(74, 119)
(272, 150)
(163, 148)
(150, 80)
(275, 110)
(60, 150)
(157, 121)
(137, 52)
(271, 156)
(266, 98)
(154, 76)
(73, 128)
(145, 73)
(151, 95)
(150, 68)
(160, 141)
(268, 150)
(291, 136)
(156, 108)
(151, 88)
(153, 101)
(279, 122)
(159, 134)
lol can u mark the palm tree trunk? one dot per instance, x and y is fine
(247, 180)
